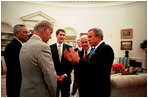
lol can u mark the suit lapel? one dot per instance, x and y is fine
(64, 48)
(56, 52)
(81, 54)
(63, 52)
(97, 50)
(17, 43)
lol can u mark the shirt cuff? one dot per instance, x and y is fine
(66, 75)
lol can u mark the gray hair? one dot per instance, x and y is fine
(17, 28)
(43, 24)
(97, 32)
(78, 39)
(83, 36)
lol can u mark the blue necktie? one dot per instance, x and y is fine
(91, 52)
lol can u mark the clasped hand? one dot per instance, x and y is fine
(72, 56)
(60, 78)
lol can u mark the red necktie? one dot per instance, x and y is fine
(85, 55)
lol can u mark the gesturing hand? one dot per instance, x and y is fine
(75, 55)
(68, 56)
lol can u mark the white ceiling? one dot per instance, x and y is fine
(81, 3)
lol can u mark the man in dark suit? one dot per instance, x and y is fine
(95, 78)
(62, 66)
(83, 55)
(79, 48)
(11, 55)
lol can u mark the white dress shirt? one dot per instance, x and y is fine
(61, 47)
(80, 48)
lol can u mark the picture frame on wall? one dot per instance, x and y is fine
(126, 45)
(126, 33)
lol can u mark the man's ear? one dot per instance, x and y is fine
(43, 30)
(56, 35)
(16, 33)
(99, 37)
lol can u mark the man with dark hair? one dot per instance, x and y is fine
(62, 66)
(11, 55)
(95, 80)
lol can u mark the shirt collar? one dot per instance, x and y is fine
(18, 40)
(80, 48)
(37, 36)
(59, 44)
(88, 50)
(98, 45)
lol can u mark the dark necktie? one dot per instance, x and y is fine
(91, 52)
(85, 55)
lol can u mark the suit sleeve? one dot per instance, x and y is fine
(47, 67)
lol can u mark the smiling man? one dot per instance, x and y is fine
(83, 55)
(62, 66)
(85, 46)
(13, 76)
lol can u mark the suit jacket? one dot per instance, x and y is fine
(38, 73)
(80, 52)
(65, 67)
(94, 73)
(76, 49)
(76, 75)
(13, 75)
